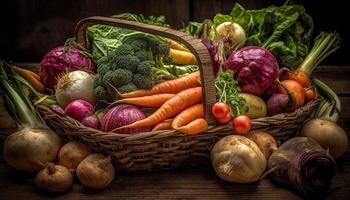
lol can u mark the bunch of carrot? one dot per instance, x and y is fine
(31, 77)
(180, 55)
(179, 99)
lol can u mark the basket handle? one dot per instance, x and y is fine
(193, 44)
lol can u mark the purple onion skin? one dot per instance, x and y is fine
(57, 109)
(91, 121)
(58, 61)
(213, 49)
(79, 109)
(303, 163)
(278, 103)
(122, 115)
(255, 69)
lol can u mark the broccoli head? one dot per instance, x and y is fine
(124, 49)
(145, 68)
(142, 82)
(118, 77)
(128, 62)
(130, 87)
(143, 55)
(101, 93)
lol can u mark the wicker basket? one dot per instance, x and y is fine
(162, 150)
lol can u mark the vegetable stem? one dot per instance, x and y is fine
(325, 44)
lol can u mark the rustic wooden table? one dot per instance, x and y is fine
(199, 183)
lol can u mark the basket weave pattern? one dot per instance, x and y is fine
(167, 149)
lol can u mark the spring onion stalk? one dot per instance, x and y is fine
(325, 44)
(330, 106)
(23, 112)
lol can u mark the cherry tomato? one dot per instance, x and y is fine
(241, 124)
(225, 120)
(219, 110)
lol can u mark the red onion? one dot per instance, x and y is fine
(91, 121)
(122, 115)
(79, 109)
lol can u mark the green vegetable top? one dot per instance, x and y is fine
(227, 91)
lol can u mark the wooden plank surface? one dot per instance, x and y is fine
(198, 183)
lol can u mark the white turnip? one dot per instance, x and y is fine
(266, 143)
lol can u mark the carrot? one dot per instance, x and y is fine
(175, 45)
(310, 94)
(188, 115)
(166, 124)
(182, 57)
(195, 127)
(19, 70)
(31, 77)
(172, 107)
(171, 86)
(155, 100)
(297, 90)
(300, 76)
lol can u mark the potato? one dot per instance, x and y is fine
(257, 106)
(328, 134)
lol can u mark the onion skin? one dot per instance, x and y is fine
(233, 36)
(79, 109)
(238, 159)
(303, 163)
(75, 85)
(57, 109)
(96, 171)
(72, 153)
(123, 115)
(54, 178)
(92, 121)
(29, 149)
(328, 134)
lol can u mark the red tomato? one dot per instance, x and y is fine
(241, 124)
(219, 110)
(225, 120)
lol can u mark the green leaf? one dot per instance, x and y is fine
(220, 18)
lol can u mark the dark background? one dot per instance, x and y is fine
(30, 28)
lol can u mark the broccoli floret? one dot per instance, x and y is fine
(98, 80)
(142, 82)
(130, 87)
(124, 49)
(118, 77)
(103, 69)
(143, 55)
(128, 62)
(145, 68)
(101, 93)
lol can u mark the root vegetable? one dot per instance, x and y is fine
(91, 121)
(328, 134)
(75, 85)
(29, 149)
(54, 178)
(303, 163)
(266, 143)
(238, 159)
(256, 106)
(96, 171)
(79, 109)
(72, 153)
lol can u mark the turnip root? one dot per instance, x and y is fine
(238, 159)
(30, 149)
(303, 163)
(95, 171)
(328, 134)
(54, 178)
(266, 143)
(72, 153)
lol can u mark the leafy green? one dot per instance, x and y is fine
(227, 91)
(285, 31)
(158, 21)
(192, 28)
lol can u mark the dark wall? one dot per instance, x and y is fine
(30, 28)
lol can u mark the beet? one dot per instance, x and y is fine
(255, 69)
